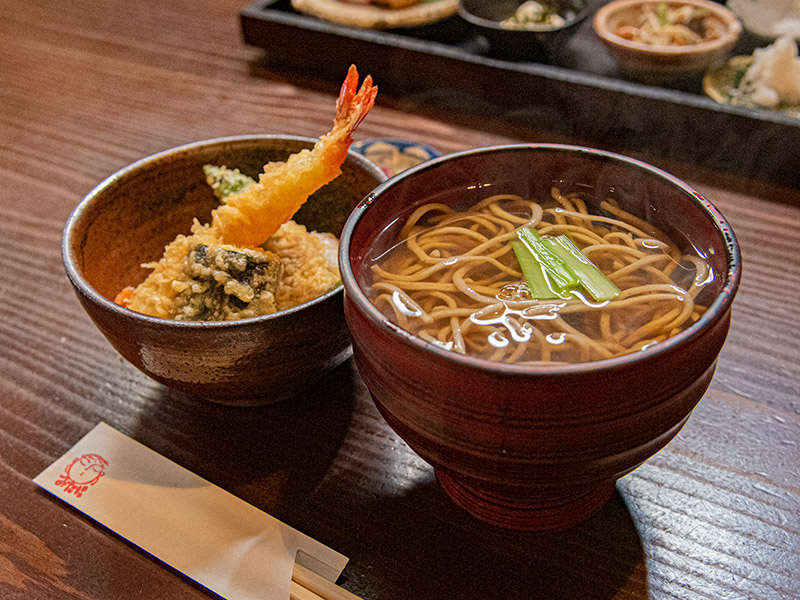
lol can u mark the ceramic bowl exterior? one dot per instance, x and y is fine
(664, 64)
(129, 218)
(485, 17)
(535, 447)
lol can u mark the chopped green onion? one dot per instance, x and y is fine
(534, 272)
(662, 13)
(560, 277)
(600, 287)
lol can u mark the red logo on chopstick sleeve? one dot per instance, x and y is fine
(82, 473)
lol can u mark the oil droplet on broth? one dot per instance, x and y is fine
(515, 291)
(520, 332)
(446, 345)
(405, 305)
(498, 340)
(556, 338)
(652, 244)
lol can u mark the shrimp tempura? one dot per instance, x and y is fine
(251, 216)
(248, 218)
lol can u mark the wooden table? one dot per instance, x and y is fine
(87, 87)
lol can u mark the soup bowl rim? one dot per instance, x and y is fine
(716, 310)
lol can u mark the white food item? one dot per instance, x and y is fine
(769, 18)
(331, 244)
(533, 15)
(774, 76)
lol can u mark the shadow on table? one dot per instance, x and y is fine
(287, 460)
(271, 456)
(422, 546)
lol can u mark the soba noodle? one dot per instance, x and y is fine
(453, 280)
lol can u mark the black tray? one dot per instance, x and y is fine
(579, 94)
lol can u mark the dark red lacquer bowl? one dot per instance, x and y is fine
(536, 448)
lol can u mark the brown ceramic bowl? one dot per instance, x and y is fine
(651, 63)
(535, 447)
(127, 220)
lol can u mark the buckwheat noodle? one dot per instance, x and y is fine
(454, 280)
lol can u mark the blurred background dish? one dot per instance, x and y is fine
(768, 19)
(641, 37)
(513, 34)
(378, 16)
(127, 220)
(394, 155)
(720, 82)
(768, 79)
(535, 446)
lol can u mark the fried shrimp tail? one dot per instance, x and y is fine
(250, 217)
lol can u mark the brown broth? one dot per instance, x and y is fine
(453, 280)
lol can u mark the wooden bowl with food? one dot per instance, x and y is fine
(211, 267)
(665, 41)
(537, 320)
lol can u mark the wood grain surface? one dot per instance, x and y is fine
(87, 87)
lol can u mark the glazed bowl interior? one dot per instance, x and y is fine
(128, 219)
(536, 447)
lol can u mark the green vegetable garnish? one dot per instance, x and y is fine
(560, 277)
(662, 12)
(554, 267)
(600, 287)
(534, 273)
(225, 181)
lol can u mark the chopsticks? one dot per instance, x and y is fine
(307, 585)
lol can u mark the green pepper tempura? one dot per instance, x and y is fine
(225, 181)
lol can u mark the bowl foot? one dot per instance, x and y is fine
(525, 512)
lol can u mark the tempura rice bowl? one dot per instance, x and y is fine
(127, 220)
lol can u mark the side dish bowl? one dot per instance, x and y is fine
(129, 218)
(394, 155)
(767, 20)
(536, 44)
(535, 447)
(662, 63)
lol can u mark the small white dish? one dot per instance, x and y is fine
(768, 19)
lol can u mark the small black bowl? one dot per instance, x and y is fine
(539, 45)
